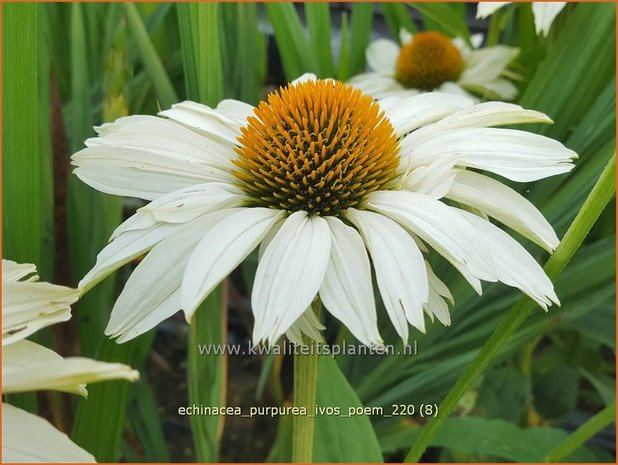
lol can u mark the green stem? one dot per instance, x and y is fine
(305, 391)
(583, 433)
(600, 195)
(495, 26)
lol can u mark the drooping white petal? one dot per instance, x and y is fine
(289, 274)
(419, 110)
(29, 306)
(378, 85)
(307, 324)
(399, 266)
(157, 220)
(486, 114)
(382, 56)
(485, 9)
(28, 438)
(159, 136)
(27, 366)
(517, 155)
(433, 180)
(440, 227)
(486, 64)
(544, 15)
(438, 295)
(513, 265)
(347, 292)
(204, 120)
(235, 110)
(304, 77)
(152, 292)
(221, 250)
(12, 271)
(504, 204)
(135, 173)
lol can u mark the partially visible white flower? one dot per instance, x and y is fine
(29, 305)
(430, 61)
(333, 188)
(544, 13)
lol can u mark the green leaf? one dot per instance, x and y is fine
(145, 421)
(343, 68)
(318, 22)
(492, 439)
(397, 18)
(504, 394)
(21, 161)
(555, 391)
(340, 437)
(361, 21)
(295, 50)
(150, 59)
(445, 18)
(99, 419)
(207, 375)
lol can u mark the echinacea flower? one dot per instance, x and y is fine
(544, 13)
(27, 306)
(430, 61)
(330, 185)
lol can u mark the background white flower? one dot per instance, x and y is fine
(431, 61)
(27, 306)
(544, 13)
(328, 183)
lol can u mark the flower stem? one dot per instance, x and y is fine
(583, 433)
(305, 391)
(600, 195)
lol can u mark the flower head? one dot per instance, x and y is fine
(330, 185)
(429, 61)
(27, 306)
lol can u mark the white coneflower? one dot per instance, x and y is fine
(329, 184)
(430, 61)
(544, 13)
(28, 305)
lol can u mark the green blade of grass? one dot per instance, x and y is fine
(445, 17)
(295, 50)
(397, 18)
(161, 81)
(208, 374)
(343, 68)
(318, 22)
(360, 32)
(209, 65)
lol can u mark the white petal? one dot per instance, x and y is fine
(504, 204)
(309, 325)
(382, 56)
(405, 36)
(204, 120)
(289, 274)
(513, 265)
(416, 111)
(433, 180)
(152, 291)
(304, 77)
(544, 15)
(440, 227)
(12, 271)
(487, 64)
(485, 114)
(517, 155)
(399, 266)
(377, 85)
(30, 306)
(221, 250)
(485, 9)
(28, 438)
(27, 366)
(347, 291)
(136, 173)
(236, 110)
(438, 294)
(150, 225)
